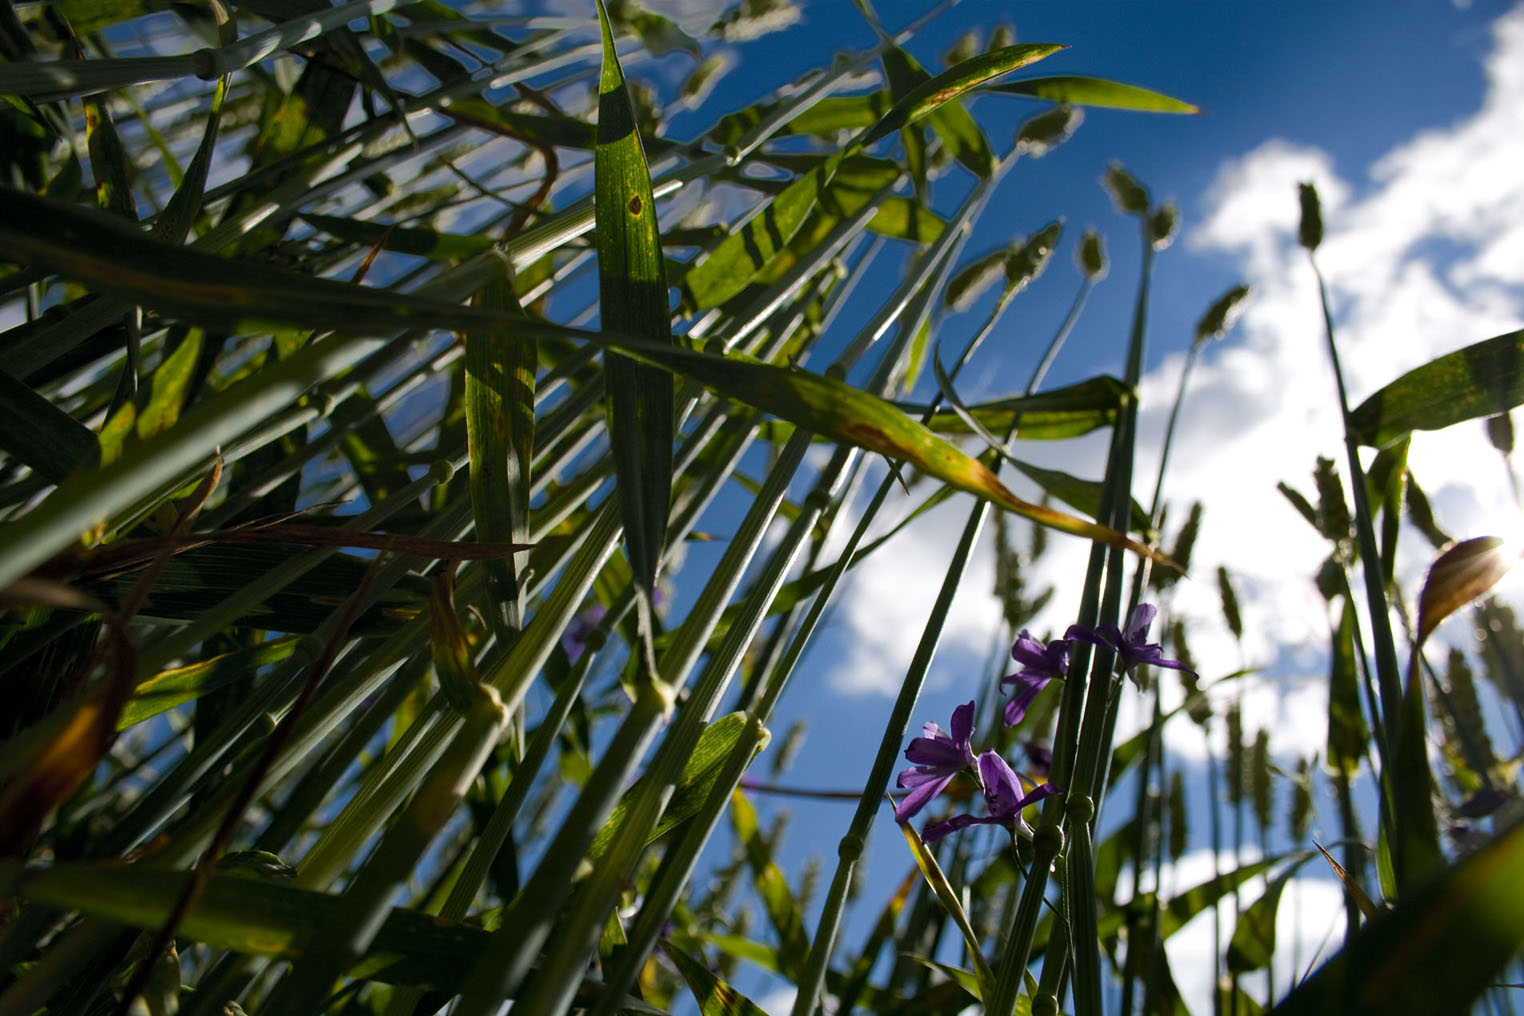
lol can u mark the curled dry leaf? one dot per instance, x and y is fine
(1464, 571)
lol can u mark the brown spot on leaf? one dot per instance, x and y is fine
(635, 205)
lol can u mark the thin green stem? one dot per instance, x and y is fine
(1388, 675)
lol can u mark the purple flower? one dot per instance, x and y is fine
(1482, 803)
(1039, 757)
(1003, 799)
(938, 758)
(1130, 645)
(1039, 665)
(574, 638)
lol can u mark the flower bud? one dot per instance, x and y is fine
(1092, 255)
(1131, 197)
(1046, 131)
(1500, 432)
(1162, 225)
(1027, 263)
(1311, 231)
(1219, 317)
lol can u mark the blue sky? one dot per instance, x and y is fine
(1404, 115)
(1410, 116)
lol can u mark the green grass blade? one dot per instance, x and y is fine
(185, 281)
(827, 406)
(928, 96)
(699, 773)
(372, 452)
(108, 161)
(1186, 905)
(256, 916)
(778, 900)
(1082, 495)
(64, 78)
(883, 930)
(984, 978)
(958, 131)
(426, 243)
(714, 996)
(1348, 734)
(632, 296)
(968, 980)
(839, 113)
(1478, 381)
(1417, 850)
(1063, 412)
(1253, 942)
(1437, 951)
(176, 687)
(499, 402)
(1087, 91)
(36, 432)
(88, 500)
(906, 219)
(677, 865)
(341, 941)
(174, 224)
(726, 269)
(263, 917)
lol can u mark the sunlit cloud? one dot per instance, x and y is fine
(1424, 254)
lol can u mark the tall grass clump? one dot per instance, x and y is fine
(369, 371)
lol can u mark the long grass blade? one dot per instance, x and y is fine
(632, 288)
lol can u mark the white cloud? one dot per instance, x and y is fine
(890, 594)
(1309, 922)
(1423, 254)
(1309, 925)
(1416, 261)
(779, 1001)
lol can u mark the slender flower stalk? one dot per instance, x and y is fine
(937, 264)
(1385, 648)
(1084, 733)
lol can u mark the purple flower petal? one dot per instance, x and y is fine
(1138, 622)
(1482, 803)
(963, 724)
(938, 757)
(1016, 709)
(917, 777)
(1038, 662)
(918, 798)
(1003, 798)
(926, 752)
(1028, 651)
(1002, 789)
(936, 830)
(1131, 647)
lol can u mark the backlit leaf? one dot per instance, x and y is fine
(1468, 384)
(632, 290)
(1086, 91)
(714, 996)
(1442, 945)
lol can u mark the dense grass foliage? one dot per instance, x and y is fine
(367, 372)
